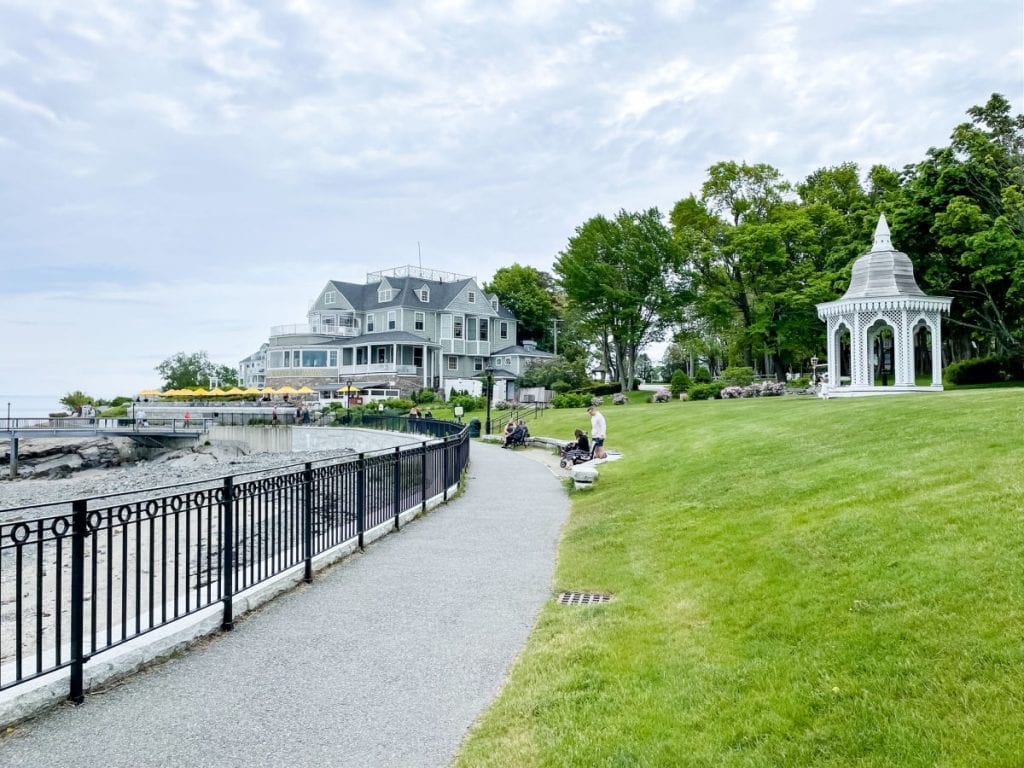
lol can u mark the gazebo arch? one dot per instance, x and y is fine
(883, 296)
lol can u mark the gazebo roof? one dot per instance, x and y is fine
(883, 271)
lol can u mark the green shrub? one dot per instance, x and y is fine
(120, 401)
(737, 376)
(561, 386)
(571, 400)
(802, 383)
(398, 404)
(680, 383)
(468, 402)
(425, 395)
(983, 370)
(600, 388)
(708, 391)
(702, 376)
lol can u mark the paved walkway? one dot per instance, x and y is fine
(385, 660)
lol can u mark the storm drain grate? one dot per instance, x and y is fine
(583, 598)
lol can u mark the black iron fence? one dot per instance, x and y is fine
(102, 571)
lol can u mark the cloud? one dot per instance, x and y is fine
(17, 103)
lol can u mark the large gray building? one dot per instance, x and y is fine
(404, 329)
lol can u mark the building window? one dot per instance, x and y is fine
(332, 361)
(457, 327)
(346, 356)
(503, 329)
(494, 303)
(391, 321)
(478, 363)
(369, 323)
(276, 359)
(417, 356)
(329, 297)
(296, 358)
(424, 294)
(314, 358)
(418, 320)
(471, 328)
(382, 355)
(484, 326)
(453, 363)
(384, 294)
(471, 297)
(508, 361)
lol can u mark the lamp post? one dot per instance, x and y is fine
(814, 369)
(489, 384)
(348, 401)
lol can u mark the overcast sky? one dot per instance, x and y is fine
(180, 176)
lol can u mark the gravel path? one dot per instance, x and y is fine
(386, 660)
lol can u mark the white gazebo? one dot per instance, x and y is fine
(884, 334)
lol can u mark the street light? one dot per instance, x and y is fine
(348, 401)
(489, 384)
(814, 369)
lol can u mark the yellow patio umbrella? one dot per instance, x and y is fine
(217, 392)
(150, 393)
(347, 389)
(200, 392)
(237, 391)
(287, 390)
(183, 392)
(305, 391)
(269, 391)
(251, 391)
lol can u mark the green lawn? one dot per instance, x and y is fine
(797, 582)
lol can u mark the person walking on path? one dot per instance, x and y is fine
(386, 660)
(597, 431)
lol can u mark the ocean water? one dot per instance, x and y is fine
(26, 406)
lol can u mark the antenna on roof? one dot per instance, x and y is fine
(419, 254)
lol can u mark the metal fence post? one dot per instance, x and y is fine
(307, 521)
(361, 497)
(423, 477)
(78, 529)
(398, 485)
(444, 467)
(227, 531)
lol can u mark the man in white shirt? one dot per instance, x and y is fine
(597, 432)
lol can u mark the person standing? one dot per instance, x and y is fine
(597, 432)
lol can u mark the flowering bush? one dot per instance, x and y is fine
(619, 399)
(502, 405)
(661, 396)
(766, 389)
(596, 401)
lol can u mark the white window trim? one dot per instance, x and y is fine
(370, 324)
(503, 329)
(384, 295)
(478, 363)
(329, 297)
(421, 319)
(424, 294)
(453, 362)
(471, 297)
(494, 303)
(392, 320)
(463, 318)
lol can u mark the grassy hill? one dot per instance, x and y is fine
(796, 581)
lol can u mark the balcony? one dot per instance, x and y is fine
(349, 370)
(305, 329)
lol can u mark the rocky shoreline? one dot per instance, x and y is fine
(58, 470)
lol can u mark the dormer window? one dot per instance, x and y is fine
(471, 297)
(424, 294)
(384, 294)
(329, 297)
(494, 303)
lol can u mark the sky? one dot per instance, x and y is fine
(180, 176)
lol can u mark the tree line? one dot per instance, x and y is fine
(733, 275)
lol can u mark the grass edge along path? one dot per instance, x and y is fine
(797, 582)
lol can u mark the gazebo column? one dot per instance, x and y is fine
(860, 352)
(904, 352)
(426, 368)
(937, 350)
(834, 363)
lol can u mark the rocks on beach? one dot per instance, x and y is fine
(58, 470)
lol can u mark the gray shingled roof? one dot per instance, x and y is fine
(883, 271)
(363, 297)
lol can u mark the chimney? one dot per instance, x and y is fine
(530, 346)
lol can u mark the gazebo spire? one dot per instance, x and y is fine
(882, 239)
